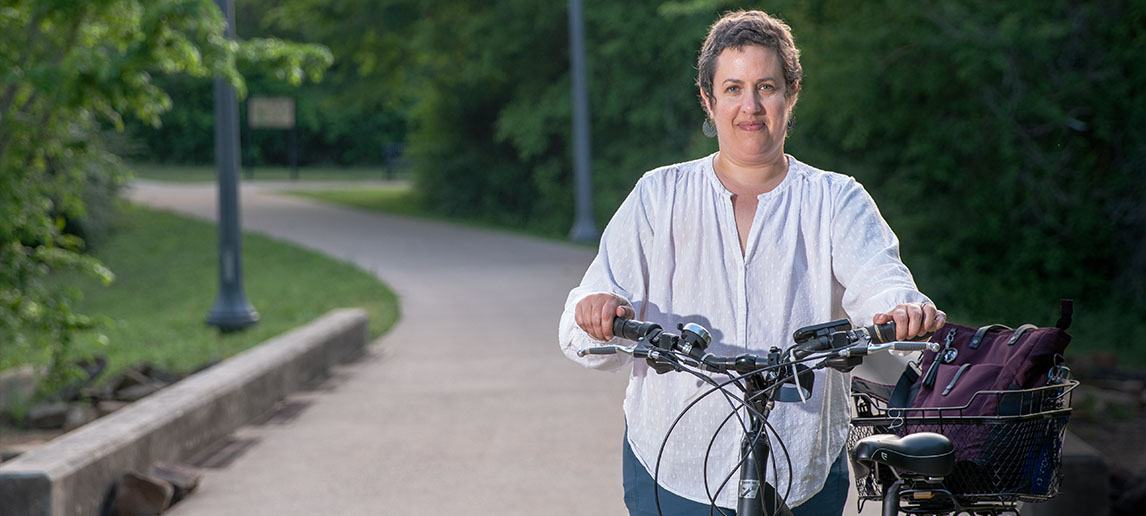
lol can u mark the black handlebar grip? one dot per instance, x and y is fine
(881, 333)
(633, 330)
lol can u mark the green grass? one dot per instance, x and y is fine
(398, 200)
(166, 282)
(404, 200)
(204, 173)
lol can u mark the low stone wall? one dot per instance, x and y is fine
(71, 475)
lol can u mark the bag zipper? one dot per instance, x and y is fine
(933, 371)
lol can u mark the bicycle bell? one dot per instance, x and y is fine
(693, 335)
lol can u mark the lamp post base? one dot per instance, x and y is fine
(584, 231)
(230, 317)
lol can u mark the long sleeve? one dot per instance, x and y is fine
(865, 260)
(621, 267)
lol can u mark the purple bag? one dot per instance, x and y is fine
(991, 358)
(971, 360)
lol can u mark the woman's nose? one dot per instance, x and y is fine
(752, 103)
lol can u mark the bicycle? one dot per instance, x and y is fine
(761, 379)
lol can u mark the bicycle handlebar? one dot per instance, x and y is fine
(877, 333)
(752, 362)
(694, 339)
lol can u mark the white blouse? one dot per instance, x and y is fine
(818, 250)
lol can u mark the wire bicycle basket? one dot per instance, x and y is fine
(1009, 456)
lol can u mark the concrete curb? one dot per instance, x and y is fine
(72, 474)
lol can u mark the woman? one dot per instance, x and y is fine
(752, 244)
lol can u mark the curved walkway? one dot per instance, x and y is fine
(465, 407)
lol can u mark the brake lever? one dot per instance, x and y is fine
(843, 363)
(661, 361)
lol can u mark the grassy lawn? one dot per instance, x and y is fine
(404, 201)
(397, 201)
(166, 282)
(202, 173)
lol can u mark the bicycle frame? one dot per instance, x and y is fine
(755, 495)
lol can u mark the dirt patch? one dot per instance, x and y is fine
(77, 404)
(15, 441)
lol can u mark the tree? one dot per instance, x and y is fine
(1004, 142)
(72, 73)
(351, 118)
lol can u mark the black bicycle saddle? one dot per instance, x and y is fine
(925, 453)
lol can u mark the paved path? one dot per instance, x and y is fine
(465, 407)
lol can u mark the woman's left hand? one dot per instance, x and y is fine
(913, 319)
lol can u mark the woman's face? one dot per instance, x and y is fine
(748, 106)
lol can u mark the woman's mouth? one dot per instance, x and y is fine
(751, 126)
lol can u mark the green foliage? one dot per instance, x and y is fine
(485, 89)
(70, 70)
(1003, 141)
(353, 117)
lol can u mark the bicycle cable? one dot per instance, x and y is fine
(740, 463)
(787, 457)
(733, 380)
(673, 358)
(684, 411)
(768, 426)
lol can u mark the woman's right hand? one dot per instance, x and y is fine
(595, 313)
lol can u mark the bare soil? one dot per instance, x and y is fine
(18, 440)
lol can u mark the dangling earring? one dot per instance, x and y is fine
(791, 122)
(708, 128)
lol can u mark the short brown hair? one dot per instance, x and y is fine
(737, 29)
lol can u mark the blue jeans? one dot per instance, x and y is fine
(640, 498)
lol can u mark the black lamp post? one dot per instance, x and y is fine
(231, 312)
(584, 229)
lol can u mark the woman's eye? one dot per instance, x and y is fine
(767, 87)
(732, 89)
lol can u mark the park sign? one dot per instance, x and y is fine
(274, 113)
(270, 112)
